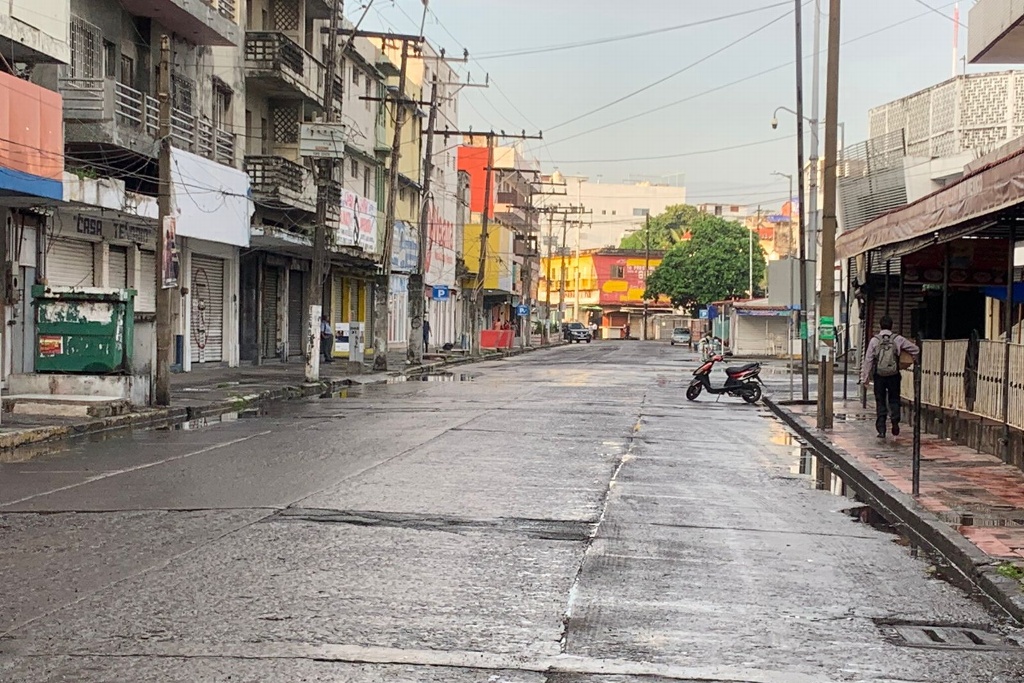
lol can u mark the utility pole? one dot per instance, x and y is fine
(382, 291)
(647, 266)
(829, 223)
(561, 284)
(546, 332)
(485, 224)
(417, 280)
(814, 162)
(325, 174)
(803, 323)
(750, 241)
(164, 294)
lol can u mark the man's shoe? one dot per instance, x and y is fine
(881, 435)
(895, 430)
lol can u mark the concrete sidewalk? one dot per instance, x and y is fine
(214, 391)
(971, 507)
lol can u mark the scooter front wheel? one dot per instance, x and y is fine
(693, 391)
(752, 394)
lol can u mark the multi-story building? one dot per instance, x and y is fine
(512, 257)
(605, 287)
(285, 75)
(618, 209)
(103, 233)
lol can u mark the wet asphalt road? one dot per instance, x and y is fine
(561, 517)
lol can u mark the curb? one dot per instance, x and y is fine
(154, 418)
(903, 512)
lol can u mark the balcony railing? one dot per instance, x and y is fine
(282, 181)
(284, 66)
(101, 100)
(226, 8)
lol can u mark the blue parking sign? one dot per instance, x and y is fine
(703, 314)
(440, 293)
(522, 310)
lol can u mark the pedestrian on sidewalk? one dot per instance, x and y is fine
(426, 336)
(882, 366)
(326, 340)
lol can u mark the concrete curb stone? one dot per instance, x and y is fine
(902, 511)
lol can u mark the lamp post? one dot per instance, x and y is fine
(792, 296)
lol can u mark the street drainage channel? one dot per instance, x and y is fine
(804, 464)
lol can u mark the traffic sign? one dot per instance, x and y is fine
(522, 310)
(440, 293)
(827, 329)
(703, 314)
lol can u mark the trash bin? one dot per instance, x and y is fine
(84, 329)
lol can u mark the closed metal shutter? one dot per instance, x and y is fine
(69, 263)
(271, 280)
(337, 297)
(296, 306)
(118, 267)
(207, 338)
(145, 300)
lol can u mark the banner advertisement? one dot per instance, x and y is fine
(441, 254)
(170, 268)
(357, 226)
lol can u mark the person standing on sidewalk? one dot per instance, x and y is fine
(426, 336)
(326, 340)
(882, 366)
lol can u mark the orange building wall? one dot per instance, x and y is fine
(31, 128)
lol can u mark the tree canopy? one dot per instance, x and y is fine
(667, 229)
(713, 265)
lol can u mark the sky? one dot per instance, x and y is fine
(555, 91)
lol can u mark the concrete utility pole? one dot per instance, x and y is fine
(546, 331)
(647, 265)
(325, 174)
(417, 280)
(750, 250)
(805, 347)
(164, 294)
(829, 223)
(814, 161)
(382, 291)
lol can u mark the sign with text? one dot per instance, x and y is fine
(441, 253)
(357, 224)
(827, 328)
(170, 267)
(440, 293)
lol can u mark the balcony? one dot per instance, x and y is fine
(281, 183)
(281, 68)
(526, 247)
(997, 32)
(203, 22)
(318, 9)
(105, 112)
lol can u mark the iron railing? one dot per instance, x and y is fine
(273, 52)
(99, 99)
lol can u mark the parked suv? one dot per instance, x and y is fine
(576, 332)
(680, 335)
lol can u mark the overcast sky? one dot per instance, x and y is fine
(552, 91)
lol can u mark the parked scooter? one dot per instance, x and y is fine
(743, 381)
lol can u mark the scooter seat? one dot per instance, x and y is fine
(740, 368)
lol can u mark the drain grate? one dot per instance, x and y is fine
(945, 637)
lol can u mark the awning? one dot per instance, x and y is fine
(967, 206)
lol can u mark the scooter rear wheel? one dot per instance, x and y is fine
(753, 394)
(693, 391)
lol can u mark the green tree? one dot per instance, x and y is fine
(667, 229)
(713, 265)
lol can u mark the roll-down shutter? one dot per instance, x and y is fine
(207, 334)
(296, 306)
(69, 263)
(145, 300)
(271, 280)
(117, 274)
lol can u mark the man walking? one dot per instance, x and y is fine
(882, 366)
(326, 340)
(426, 336)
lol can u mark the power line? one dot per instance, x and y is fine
(940, 13)
(730, 84)
(672, 75)
(682, 154)
(629, 36)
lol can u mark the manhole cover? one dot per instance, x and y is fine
(945, 637)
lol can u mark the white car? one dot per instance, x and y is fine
(680, 335)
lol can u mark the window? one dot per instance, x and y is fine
(367, 182)
(618, 272)
(127, 71)
(85, 49)
(355, 75)
(604, 212)
(369, 92)
(401, 194)
(109, 59)
(354, 168)
(221, 104)
(613, 212)
(641, 212)
(183, 92)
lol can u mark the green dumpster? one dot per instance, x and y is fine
(84, 329)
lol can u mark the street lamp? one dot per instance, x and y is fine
(792, 296)
(814, 125)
